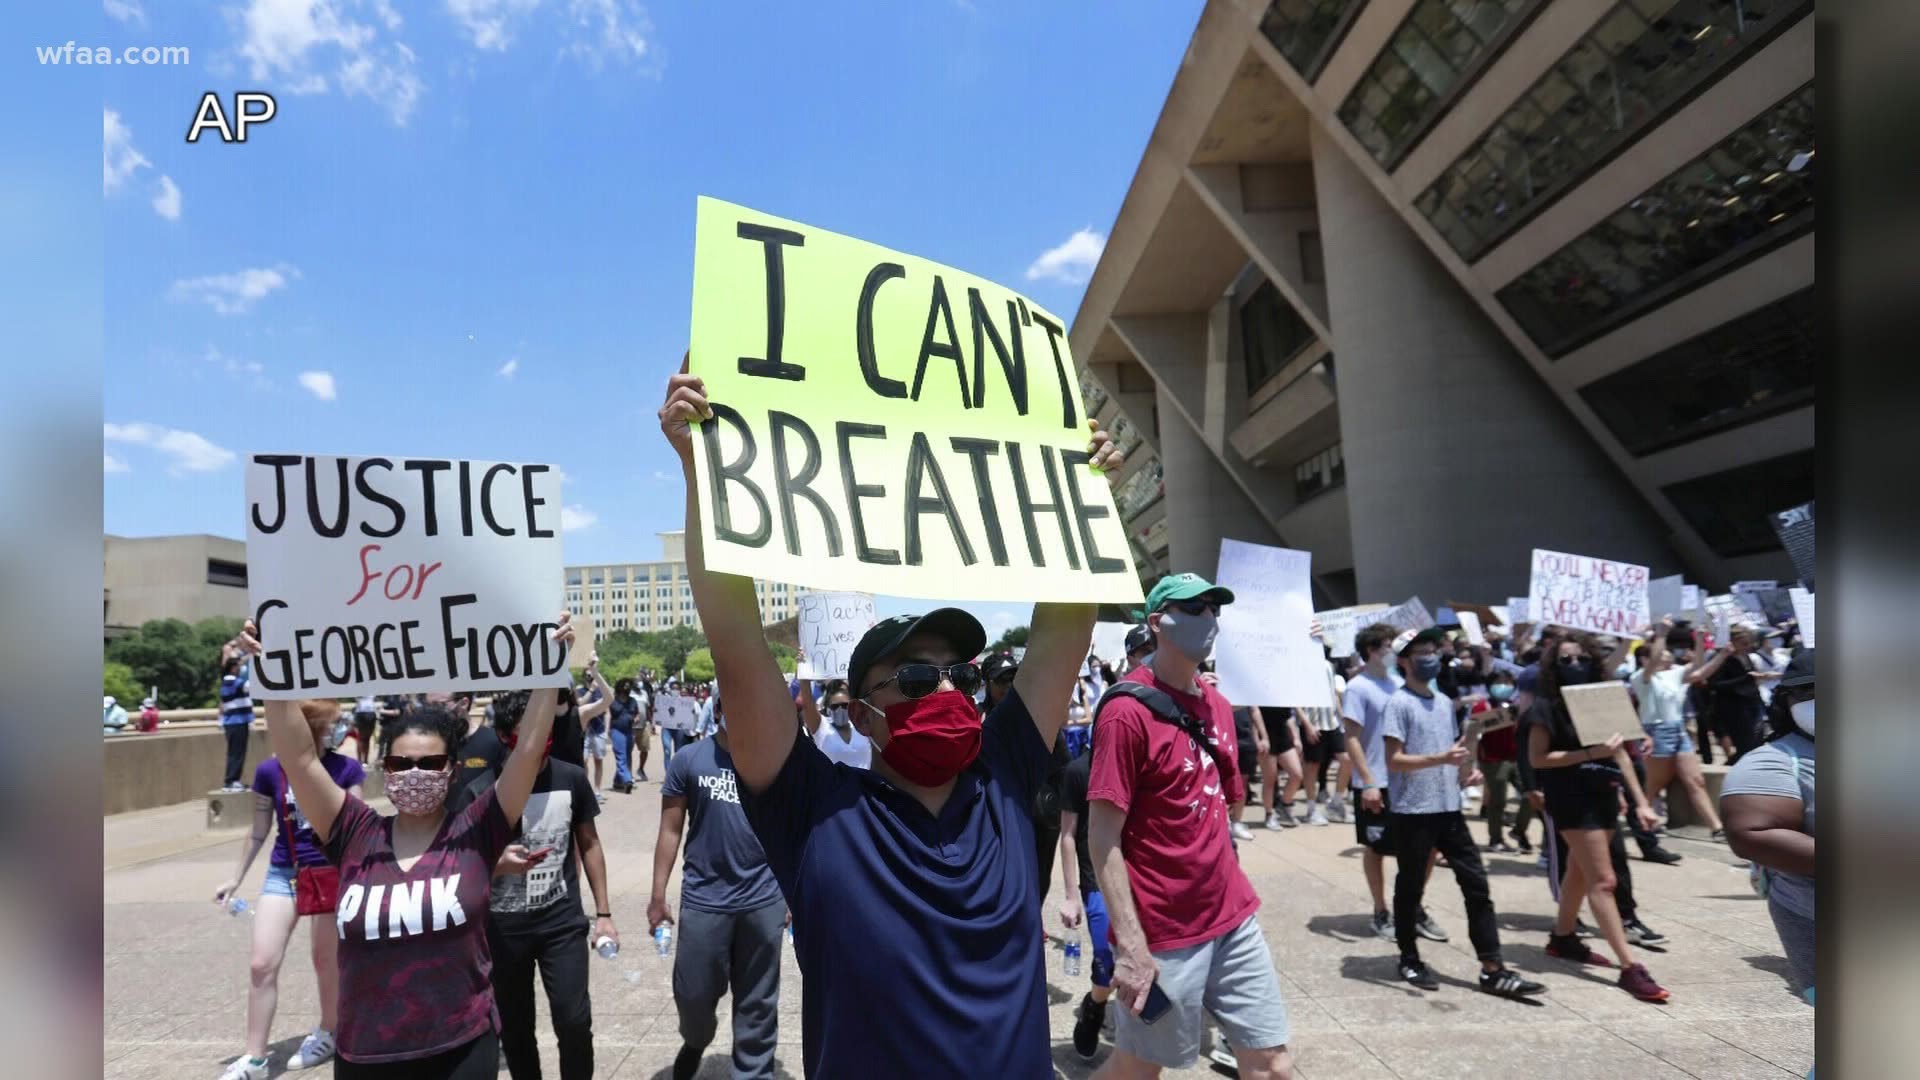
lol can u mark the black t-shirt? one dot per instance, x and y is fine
(1734, 682)
(548, 895)
(570, 738)
(482, 754)
(1074, 781)
(1561, 735)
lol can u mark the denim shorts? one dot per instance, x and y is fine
(1231, 977)
(279, 881)
(1670, 739)
(598, 746)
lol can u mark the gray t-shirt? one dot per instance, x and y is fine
(1366, 705)
(1424, 725)
(726, 870)
(1784, 768)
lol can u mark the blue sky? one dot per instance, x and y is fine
(468, 230)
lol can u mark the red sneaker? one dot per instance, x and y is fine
(1636, 980)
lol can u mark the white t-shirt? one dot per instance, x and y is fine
(1663, 697)
(855, 750)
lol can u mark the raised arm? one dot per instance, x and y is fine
(515, 783)
(603, 694)
(759, 712)
(809, 708)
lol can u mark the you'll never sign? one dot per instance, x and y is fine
(886, 424)
(1584, 593)
(397, 575)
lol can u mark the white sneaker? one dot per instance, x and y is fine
(1316, 816)
(1241, 832)
(1222, 1053)
(1337, 811)
(243, 1068)
(1273, 821)
(315, 1049)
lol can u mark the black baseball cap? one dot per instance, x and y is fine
(1799, 671)
(1138, 638)
(960, 629)
(998, 662)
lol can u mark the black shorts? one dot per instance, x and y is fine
(1371, 829)
(363, 723)
(1279, 730)
(1576, 805)
(1322, 750)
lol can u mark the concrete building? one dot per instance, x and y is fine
(172, 577)
(649, 596)
(1419, 285)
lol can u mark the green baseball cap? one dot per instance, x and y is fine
(1184, 587)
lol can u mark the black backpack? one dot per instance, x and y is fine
(1162, 705)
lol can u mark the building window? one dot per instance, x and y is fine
(597, 576)
(1323, 470)
(1642, 60)
(223, 572)
(1273, 334)
(1307, 31)
(1747, 195)
(1731, 510)
(1092, 393)
(1140, 491)
(573, 576)
(1435, 53)
(1756, 366)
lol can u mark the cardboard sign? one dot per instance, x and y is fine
(1601, 711)
(1338, 626)
(1110, 641)
(1470, 625)
(1664, 596)
(675, 712)
(1581, 592)
(1803, 614)
(374, 575)
(884, 423)
(1795, 529)
(1266, 654)
(830, 625)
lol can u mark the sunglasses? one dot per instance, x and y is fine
(396, 763)
(918, 680)
(1194, 607)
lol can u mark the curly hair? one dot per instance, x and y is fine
(1548, 684)
(427, 720)
(509, 708)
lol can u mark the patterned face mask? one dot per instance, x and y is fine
(418, 791)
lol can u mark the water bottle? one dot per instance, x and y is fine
(663, 939)
(606, 947)
(1073, 957)
(238, 906)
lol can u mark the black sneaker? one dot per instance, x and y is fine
(1661, 856)
(1520, 841)
(1718, 836)
(1418, 974)
(687, 1062)
(1573, 949)
(1581, 929)
(1087, 1020)
(1641, 934)
(1506, 983)
(1499, 847)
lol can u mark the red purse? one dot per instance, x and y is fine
(316, 889)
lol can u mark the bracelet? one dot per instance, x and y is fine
(603, 914)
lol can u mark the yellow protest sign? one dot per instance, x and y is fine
(886, 424)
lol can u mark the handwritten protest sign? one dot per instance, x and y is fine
(676, 712)
(1338, 626)
(884, 423)
(1470, 625)
(1600, 711)
(831, 624)
(1584, 593)
(1795, 529)
(1110, 641)
(1265, 653)
(398, 575)
(1749, 594)
(1803, 614)
(1664, 596)
(1690, 598)
(1725, 611)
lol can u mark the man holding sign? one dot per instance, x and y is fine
(924, 866)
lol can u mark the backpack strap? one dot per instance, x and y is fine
(1163, 706)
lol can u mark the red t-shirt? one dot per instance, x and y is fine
(1187, 883)
(1500, 744)
(415, 973)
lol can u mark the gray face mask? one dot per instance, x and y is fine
(1191, 634)
(837, 715)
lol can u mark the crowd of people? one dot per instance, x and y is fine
(912, 815)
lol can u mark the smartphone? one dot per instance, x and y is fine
(1157, 1004)
(536, 856)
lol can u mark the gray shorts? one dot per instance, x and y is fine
(1231, 977)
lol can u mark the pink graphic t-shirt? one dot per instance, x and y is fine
(414, 967)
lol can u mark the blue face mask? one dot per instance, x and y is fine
(1500, 692)
(1426, 668)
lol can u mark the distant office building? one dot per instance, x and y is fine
(1419, 285)
(649, 596)
(173, 577)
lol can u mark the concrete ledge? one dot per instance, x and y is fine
(178, 764)
(1680, 808)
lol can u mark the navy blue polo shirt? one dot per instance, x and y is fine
(918, 937)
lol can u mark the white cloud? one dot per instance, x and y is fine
(1071, 262)
(188, 452)
(319, 384)
(296, 40)
(574, 517)
(127, 11)
(166, 202)
(609, 31)
(121, 159)
(115, 465)
(231, 294)
(507, 369)
(489, 22)
(234, 365)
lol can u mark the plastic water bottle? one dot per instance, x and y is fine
(606, 947)
(238, 906)
(1073, 956)
(663, 939)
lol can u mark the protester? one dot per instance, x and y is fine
(1081, 901)
(431, 872)
(113, 718)
(1660, 689)
(1429, 765)
(1324, 753)
(1582, 785)
(534, 916)
(296, 850)
(1365, 710)
(149, 721)
(1768, 798)
(1280, 754)
(922, 867)
(1733, 676)
(643, 726)
(1139, 646)
(626, 712)
(837, 739)
(1499, 749)
(570, 722)
(366, 713)
(1182, 911)
(236, 710)
(1251, 739)
(731, 911)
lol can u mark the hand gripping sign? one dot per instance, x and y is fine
(882, 423)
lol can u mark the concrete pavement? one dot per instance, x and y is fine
(176, 969)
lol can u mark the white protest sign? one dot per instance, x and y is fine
(1581, 592)
(1690, 598)
(830, 625)
(1411, 615)
(1749, 593)
(1664, 596)
(1110, 641)
(675, 712)
(1470, 625)
(400, 575)
(1265, 653)
(1803, 614)
(1724, 610)
(1338, 625)
(1517, 607)
(1502, 613)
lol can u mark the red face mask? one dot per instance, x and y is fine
(513, 741)
(933, 738)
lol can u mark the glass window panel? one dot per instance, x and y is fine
(1425, 60)
(1730, 509)
(1486, 17)
(1619, 31)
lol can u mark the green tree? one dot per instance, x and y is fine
(699, 665)
(1014, 638)
(123, 686)
(182, 660)
(629, 666)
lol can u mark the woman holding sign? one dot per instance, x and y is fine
(416, 999)
(1582, 787)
